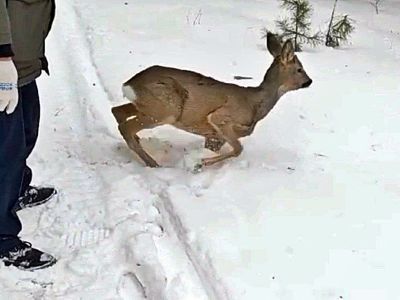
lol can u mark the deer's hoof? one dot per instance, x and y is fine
(198, 168)
(152, 164)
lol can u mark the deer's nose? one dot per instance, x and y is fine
(307, 84)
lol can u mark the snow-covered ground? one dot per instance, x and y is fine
(310, 210)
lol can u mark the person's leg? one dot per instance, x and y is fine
(31, 114)
(12, 164)
(26, 179)
(31, 196)
(14, 149)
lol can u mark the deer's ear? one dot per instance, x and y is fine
(287, 52)
(273, 44)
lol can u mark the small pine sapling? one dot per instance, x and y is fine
(298, 25)
(340, 31)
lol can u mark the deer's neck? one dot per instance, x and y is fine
(268, 93)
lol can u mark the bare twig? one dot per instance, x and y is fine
(376, 4)
(197, 19)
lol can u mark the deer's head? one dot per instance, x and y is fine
(291, 74)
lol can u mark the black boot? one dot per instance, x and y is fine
(26, 258)
(35, 196)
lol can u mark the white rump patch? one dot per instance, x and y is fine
(129, 93)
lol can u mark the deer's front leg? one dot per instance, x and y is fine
(227, 132)
(237, 148)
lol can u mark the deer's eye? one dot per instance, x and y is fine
(299, 70)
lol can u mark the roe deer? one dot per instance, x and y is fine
(221, 112)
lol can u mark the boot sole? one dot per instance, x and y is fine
(44, 266)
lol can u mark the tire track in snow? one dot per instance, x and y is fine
(201, 263)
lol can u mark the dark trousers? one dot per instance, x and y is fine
(18, 136)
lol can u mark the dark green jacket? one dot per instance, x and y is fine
(25, 24)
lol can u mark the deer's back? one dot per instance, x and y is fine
(200, 95)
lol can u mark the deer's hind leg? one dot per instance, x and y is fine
(124, 112)
(129, 130)
(160, 104)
